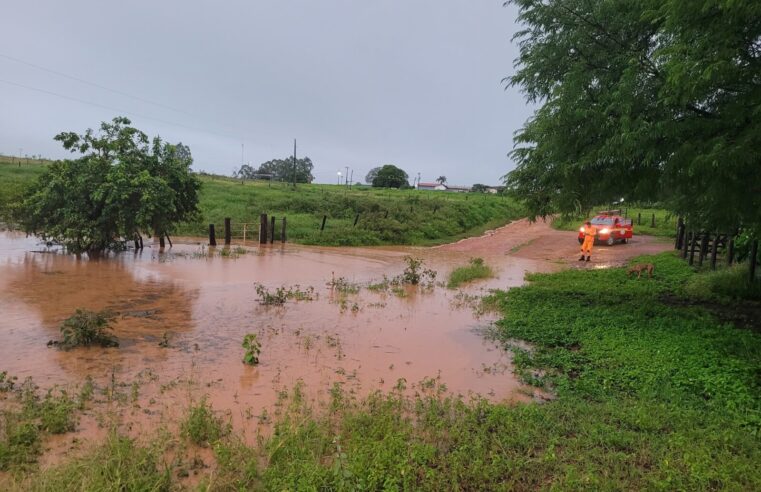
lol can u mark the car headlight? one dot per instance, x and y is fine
(581, 229)
(605, 231)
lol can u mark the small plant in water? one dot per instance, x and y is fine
(415, 274)
(201, 426)
(253, 349)
(87, 328)
(343, 286)
(280, 295)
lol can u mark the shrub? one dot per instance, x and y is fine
(475, 270)
(87, 328)
(201, 426)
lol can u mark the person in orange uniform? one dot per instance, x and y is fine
(590, 232)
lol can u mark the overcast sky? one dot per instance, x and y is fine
(415, 83)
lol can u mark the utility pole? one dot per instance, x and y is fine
(351, 180)
(346, 176)
(241, 155)
(294, 163)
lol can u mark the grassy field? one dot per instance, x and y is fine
(655, 388)
(665, 222)
(385, 216)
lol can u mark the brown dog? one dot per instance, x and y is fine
(639, 268)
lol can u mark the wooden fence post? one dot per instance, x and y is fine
(282, 232)
(753, 255)
(244, 231)
(272, 231)
(324, 218)
(212, 237)
(228, 232)
(639, 218)
(693, 240)
(263, 229)
(703, 249)
(652, 224)
(730, 251)
(356, 219)
(714, 248)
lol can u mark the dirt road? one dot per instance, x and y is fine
(538, 241)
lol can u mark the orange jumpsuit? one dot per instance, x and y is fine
(589, 239)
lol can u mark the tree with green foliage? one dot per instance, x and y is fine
(371, 175)
(441, 180)
(479, 188)
(390, 176)
(641, 99)
(122, 185)
(284, 170)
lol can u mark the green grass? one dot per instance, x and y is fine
(665, 222)
(385, 216)
(476, 269)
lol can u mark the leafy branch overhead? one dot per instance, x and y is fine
(642, 100)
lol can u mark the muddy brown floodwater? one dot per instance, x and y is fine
(205, 303)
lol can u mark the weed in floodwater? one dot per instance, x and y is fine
(87, 328)
(253, 349)
(380, 286)
(85, 394)
(476, 269)
(343, 286)
(415, 274)
(164, 343)
(280, 295)
(56, 414)
(7, 383)
(201, 426)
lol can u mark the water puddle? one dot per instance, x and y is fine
(203, 304)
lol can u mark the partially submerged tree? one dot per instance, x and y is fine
(121, 186)
(390, 176)
(645, 100)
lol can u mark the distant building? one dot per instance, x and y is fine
(431, 186)
(443, 187)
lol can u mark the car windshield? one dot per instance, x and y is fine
(602, 221)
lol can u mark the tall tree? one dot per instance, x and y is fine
(441, 179)
(284, 170)
(371, 175)
(642, 99)
(121, 186)
(390, 176)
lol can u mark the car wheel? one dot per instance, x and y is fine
(611, 240)
(624, 241)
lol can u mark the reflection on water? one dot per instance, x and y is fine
(206, 303)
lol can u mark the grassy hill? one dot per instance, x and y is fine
(385, 216)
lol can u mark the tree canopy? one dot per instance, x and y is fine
(371, 175)
(642, 100)
(441, 179)
(122, 185)
(390, 176)
(284, 170)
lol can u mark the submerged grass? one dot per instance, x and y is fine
(650, 394)
(476, 269)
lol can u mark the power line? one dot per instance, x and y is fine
(124, 111)
(93, 84)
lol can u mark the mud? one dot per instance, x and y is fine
(203, 304)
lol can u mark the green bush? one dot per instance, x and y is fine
(476, 269)
(201, 426)
(87, 328)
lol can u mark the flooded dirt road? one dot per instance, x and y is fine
(203, 304)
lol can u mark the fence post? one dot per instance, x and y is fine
(730, 251)
(714, 248)
(356, 219)
(244, 231)
(324, 218)
(228, 232)
(693, 240)
(282, 233)
(263, 229)
(685, 243)
(272, 232)
(639, 218)
(652, 224)
(703, 249)
(753, 254)
(212, 237)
